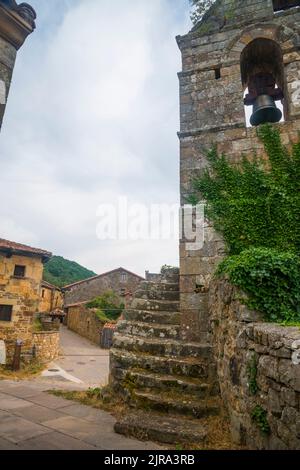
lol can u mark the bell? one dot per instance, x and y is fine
(265, 110)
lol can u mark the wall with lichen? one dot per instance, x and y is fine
(212, 113)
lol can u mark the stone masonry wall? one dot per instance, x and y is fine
(16, 23)
(47, 345)
(85, 322)
(212, 113)
(243, 343)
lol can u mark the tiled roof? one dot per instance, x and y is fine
(101, 275)
(19, 248)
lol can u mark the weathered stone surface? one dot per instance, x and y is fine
(260, 353)
(157, 427)
(153, 368)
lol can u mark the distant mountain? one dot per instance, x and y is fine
(61, 272)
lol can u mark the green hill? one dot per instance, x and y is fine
(61, 272)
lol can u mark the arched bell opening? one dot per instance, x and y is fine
(262, 73)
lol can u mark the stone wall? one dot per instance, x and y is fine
(249, 351)
(120, 281)
(51, 298)
(46, 345)
(84, 321)
(23, 294)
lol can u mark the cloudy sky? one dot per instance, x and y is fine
(92, 116)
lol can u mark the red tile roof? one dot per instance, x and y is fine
(101, 275)
(19, 248)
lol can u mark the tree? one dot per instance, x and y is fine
(199, 8)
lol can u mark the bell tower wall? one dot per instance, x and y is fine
(212, 113)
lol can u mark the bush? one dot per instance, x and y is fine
(270, 278)
(108, 306)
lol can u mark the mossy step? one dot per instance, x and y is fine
(145, 316)
(157, 294)
(176, 403)
(164, 382)
(122, 361)
(155, 305)
(161, 347)
(161, 428)
(147, 330)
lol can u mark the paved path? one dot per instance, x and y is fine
(82, 364)
(31, 419)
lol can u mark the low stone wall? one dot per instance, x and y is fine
(259, 372)
(85, 322)
(46, 345)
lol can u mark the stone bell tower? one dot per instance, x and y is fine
(16, 23)
(238, 45)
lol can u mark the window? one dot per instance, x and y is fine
(217, 74)
(43, 293)
(285, 4)
(123, 277)
(19, 271)
(5, 312)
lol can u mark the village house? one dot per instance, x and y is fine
(51, 298)
(120, 281)
(21, 271)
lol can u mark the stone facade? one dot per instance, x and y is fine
(119, 281)
(85, 322)
(212, 113)
(16, 23)
(19, 291)
(46, 345)
(262, 354)
(51, 298)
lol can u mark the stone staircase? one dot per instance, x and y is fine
(169, 384)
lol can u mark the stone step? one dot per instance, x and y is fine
(145, 316)
(155, 305)
(161, 347)
(122, 361)
(176, 403)
(185, 385)
(157, 294)
(161, 428)
(159, 286)
(148, 330)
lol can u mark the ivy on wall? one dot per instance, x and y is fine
(256, 206)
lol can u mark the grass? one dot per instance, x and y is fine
(99, 398)
(27, 370)
(291, 323)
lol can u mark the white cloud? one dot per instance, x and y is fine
(92, 115)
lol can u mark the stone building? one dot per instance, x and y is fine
(21, 272)
(16, 23)
(51, 298)
(235, 40)
(121, 281)
(187, 346)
